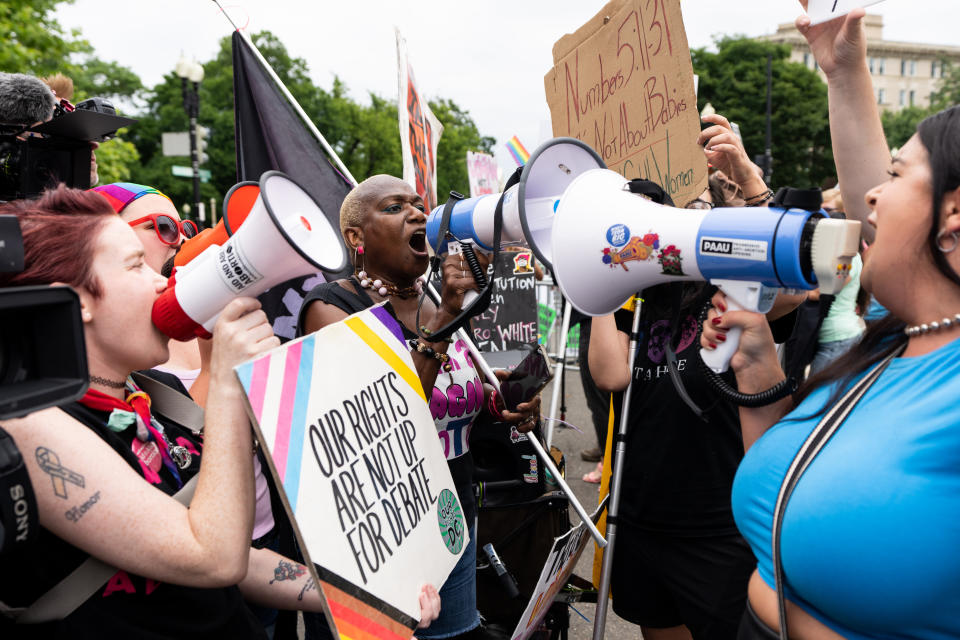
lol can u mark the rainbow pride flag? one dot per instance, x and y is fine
(518, 151)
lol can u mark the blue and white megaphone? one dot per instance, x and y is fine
(608, 243)
(528, 206)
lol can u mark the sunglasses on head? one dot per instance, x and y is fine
(168, 228)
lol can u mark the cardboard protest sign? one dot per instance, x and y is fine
(623, 83)
(823, 10)
(349, 436)
(419, 132)
(510, 322)
(482, 173)
(556, 570)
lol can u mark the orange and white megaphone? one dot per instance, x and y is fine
(236, 206)
(285, 235)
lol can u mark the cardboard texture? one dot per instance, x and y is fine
(351, 442)
(623, 83)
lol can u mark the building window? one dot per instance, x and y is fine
(806, 60)
(881, 96)
(903, 67)
(883, 66)
(933, 69)
(816, 65)
(913, 96)
(913, 67)
(871, 65)
(903, 97)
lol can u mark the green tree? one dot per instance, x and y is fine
(365, 136)
(734, 81)
(898, 126)
(117, 160)
(460, 134)
(948, 89)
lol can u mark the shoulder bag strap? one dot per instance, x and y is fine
(812, 446)
(170, 403)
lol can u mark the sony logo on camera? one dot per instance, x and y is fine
(21, 509)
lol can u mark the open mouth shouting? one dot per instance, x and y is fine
(418, 242)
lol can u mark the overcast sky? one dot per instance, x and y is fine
(489, 57)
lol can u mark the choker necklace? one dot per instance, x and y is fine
(108, 383)
(386, 288)
(921, 329)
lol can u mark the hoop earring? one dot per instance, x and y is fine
(953, 236)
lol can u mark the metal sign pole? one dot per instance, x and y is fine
(613, 507)
(559, 372)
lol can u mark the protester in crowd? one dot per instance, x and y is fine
(681, 568)
(383, 223)
(867, 538)
(96, 464)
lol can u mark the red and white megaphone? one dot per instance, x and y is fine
(285, 235)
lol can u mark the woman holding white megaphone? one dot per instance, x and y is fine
(680, 568)
(848, 491)
(118, 483)
(384, 225)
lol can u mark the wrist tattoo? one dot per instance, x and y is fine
(287, 571)
(49, 463)
(309, 586)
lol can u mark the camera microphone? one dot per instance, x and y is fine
(24, 100)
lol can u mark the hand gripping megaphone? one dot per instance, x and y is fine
(285, 235)
(528, 205)
(609, 243)
(236, 206)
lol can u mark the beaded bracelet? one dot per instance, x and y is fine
(431, 352)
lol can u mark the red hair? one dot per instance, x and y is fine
(60, 231)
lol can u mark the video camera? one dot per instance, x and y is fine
(43, 362)
(35, 158)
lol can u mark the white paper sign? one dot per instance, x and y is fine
(824, 10)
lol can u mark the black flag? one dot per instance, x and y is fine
(271, 135)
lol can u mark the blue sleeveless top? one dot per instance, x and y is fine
(871, 535)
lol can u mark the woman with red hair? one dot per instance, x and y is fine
(96, 465)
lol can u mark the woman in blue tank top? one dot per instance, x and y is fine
(868, 542)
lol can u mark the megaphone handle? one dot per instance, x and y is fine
(719, 359)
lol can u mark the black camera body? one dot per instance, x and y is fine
(43, 362)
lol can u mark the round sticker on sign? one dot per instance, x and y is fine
(450, 519)
(618, 235)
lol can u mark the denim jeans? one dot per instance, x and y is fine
(458, 597)
(827, 352)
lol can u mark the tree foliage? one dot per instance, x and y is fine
(734, 81)
(365, 136)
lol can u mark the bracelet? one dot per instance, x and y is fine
(492, 408)
(429, 351)
(428, 333)
(763, 197)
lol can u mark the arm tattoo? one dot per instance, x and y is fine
(50, 464)
(309, 586)
(74, 514)
(287, 571)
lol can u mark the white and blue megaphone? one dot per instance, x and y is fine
(609, 243)
(285, 235)
(528, 206)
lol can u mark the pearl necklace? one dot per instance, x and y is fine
(385, 288)
(921, 329)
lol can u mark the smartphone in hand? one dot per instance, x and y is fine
(527, 379)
